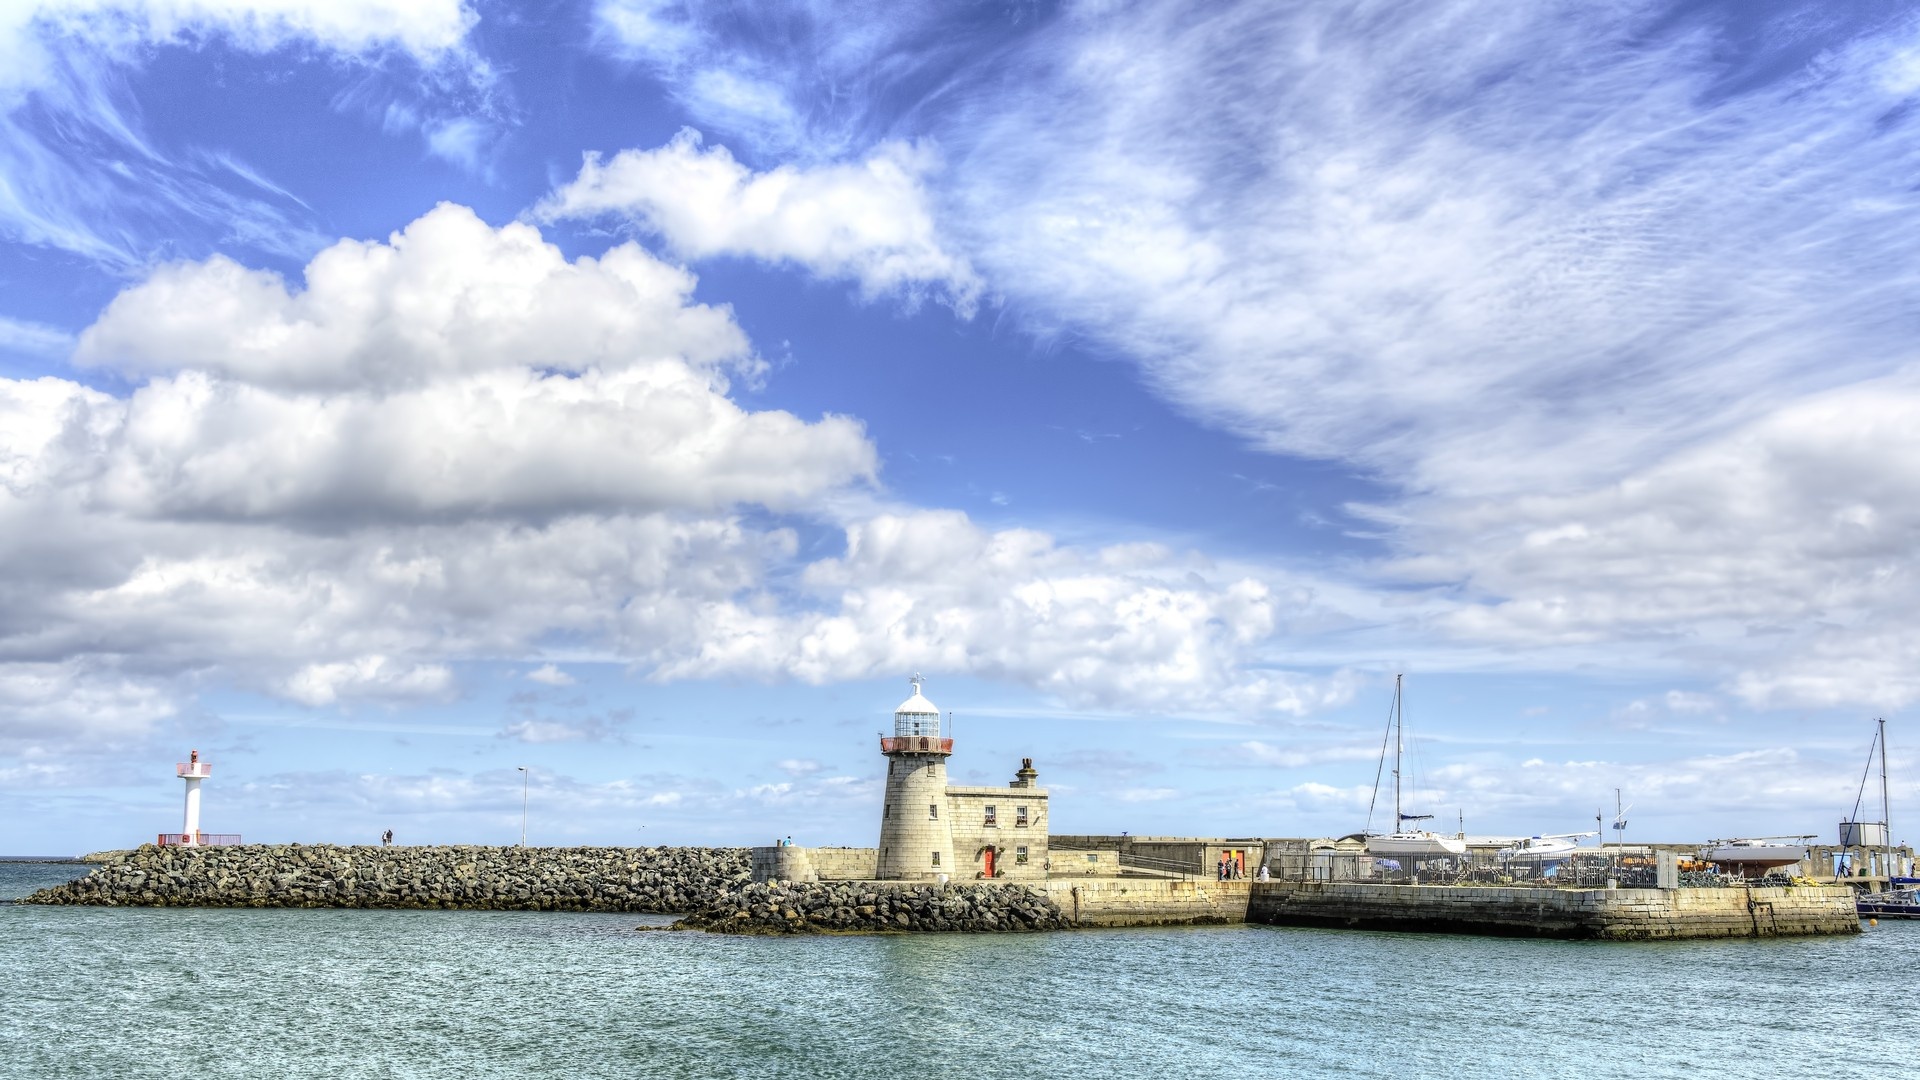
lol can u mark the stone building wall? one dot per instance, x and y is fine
(973, 831)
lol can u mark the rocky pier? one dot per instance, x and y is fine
(663, 880)
(776, 907)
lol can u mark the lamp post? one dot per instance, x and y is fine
(524, 775)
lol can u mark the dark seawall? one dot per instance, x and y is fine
(657, 879)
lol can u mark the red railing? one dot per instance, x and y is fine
(193, 768)
(915, 744)
(205, 839)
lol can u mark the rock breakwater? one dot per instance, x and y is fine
(873, 907)
(656, 879)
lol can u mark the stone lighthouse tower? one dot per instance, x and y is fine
(916, 839)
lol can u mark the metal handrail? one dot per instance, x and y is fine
(915, 744)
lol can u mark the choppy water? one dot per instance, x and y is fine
(91, 992)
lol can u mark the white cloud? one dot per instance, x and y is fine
(563, 730)
(551, 675)
(62, 76)
(448, 295)
(1257, 752)
(427, 29)
(1777, 555)
(1545, 276)
(455, 370)
(870, 222)
(1486, 247)
(74, 703)
(441, 449)
(33, 339)
(1130, 626)
(375, 677)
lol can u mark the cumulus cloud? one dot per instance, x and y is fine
(443, 447)
(1131, 626)
(456, 369)
(457, 444)
(870, 221)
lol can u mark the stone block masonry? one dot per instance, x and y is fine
(1592, 914)
(659, 879)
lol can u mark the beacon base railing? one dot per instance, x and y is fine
(205, 839)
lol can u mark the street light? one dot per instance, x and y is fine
(524, 775)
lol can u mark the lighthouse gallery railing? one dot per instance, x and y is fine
(911, 744)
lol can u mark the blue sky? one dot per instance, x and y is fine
(396, 394)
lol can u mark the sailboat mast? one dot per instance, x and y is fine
(1399, 745)
(1886, 811)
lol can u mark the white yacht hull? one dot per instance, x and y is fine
(1539, 849)
(1755, 854)
(1416, 845)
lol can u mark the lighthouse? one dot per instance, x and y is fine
(916, 839)
(192, 770)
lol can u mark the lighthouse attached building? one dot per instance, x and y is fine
(930, 830)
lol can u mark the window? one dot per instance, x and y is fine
(933, 811)
(1019, 817)
(991, 819)
(1020, 856)
(1091, 857)
(936, 858)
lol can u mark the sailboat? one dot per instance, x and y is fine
(1554, 847)
(1404, 842)
(1901, 898)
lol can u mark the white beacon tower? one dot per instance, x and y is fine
(916, 839)
(192, 770)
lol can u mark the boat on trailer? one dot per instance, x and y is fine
(1761, 854)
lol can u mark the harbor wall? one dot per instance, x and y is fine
(657, 879)
(789, 862)
(1149, 901)
(1596, 914)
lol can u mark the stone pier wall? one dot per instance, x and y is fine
(1599, 914)
(659, 879)
(1148, 901)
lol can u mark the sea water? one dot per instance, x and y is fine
(176, 992)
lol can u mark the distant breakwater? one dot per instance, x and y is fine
(660, 880)
(778, 907)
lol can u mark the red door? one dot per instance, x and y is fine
(989, 854)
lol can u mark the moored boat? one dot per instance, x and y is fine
(1404, 842)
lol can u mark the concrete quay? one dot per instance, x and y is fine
(1582, 914)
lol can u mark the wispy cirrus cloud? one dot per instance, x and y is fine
(1539, 273)
(82, 172)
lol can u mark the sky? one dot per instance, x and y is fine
(455, 415)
